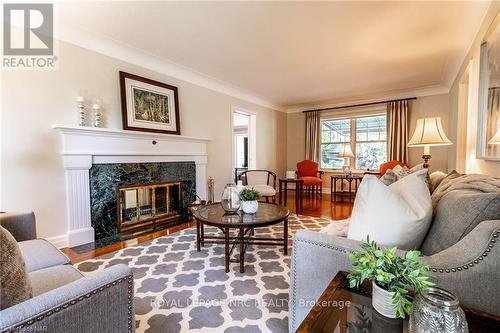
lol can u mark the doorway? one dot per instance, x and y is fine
(244, 139)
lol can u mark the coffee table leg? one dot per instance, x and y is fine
(198, 241)
(285, 237)
(242, 250)
(226, 251)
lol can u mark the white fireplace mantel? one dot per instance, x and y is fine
(84, 146)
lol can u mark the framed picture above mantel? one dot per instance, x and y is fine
(148, 105)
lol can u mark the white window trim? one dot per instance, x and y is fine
(352, 114)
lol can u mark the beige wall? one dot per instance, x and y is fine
(32, 175)
(473, 165)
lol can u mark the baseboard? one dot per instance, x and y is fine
(80, 236)
(59, 241)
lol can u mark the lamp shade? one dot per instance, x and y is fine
(495, 140)
(345, 150)
(429, 132)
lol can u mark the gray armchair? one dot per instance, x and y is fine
(64, 300)
(461, 249)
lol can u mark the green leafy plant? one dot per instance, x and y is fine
(249, 194)
(391, 272)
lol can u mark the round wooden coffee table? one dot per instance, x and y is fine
(215, 216)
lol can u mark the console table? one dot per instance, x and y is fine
(341, 193)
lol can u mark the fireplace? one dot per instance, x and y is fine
(137, 158)
(131, 198)
(148, 206)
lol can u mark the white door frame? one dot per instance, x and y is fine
(252, 136)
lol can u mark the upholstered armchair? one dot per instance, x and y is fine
(263, 181)
(386, 166)
(309, 172)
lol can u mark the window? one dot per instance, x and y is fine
(333, 134)
(367, 136)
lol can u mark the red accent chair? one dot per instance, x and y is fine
(386, 166)
(309, 172)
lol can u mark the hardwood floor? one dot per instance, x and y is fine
(312, 207)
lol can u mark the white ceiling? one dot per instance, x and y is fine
(296, 54)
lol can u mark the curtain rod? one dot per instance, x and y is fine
(358, 105)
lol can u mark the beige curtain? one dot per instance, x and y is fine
(397, 131)
(312, 136)
(493, 120)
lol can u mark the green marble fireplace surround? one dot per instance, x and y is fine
(105, 179)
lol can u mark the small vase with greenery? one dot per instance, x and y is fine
(249, 202)
(391, 275)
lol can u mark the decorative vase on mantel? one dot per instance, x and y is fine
(250, 207)
(382, 301)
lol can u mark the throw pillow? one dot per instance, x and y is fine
(395, 215)
(435, 179)
(389, 177)
(15, 286)
(401, 171)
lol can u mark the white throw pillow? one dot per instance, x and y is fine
(395, 215)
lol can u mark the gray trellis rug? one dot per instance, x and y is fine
(178, 289)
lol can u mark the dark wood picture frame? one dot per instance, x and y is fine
(126, 125)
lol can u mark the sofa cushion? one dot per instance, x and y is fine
(458, 213)
(46, 279)
(40, 253)
(15, 286)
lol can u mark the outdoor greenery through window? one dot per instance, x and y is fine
(367, 136)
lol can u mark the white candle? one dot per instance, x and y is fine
(96, 106)
(80, 99)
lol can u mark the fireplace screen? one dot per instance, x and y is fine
(148, 205)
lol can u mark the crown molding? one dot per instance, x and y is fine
(113, 48)
(417, 92)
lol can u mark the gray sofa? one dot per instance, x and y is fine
(461, 248)
(63, 299)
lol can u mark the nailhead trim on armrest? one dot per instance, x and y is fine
(474, 262)
(48, 313)
(296, 243)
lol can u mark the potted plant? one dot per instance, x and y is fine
(249, 202)
(391, 275)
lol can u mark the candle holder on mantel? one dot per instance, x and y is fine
(96, 107)
(81, 110)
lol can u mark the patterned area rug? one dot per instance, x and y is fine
(178, 289)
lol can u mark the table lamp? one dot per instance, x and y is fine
(495, 140)
(346, 152)
(428, 132)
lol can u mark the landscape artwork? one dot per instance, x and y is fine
(148, 105)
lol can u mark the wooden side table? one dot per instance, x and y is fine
(341, 192)
(340, 307)
(299, 191)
